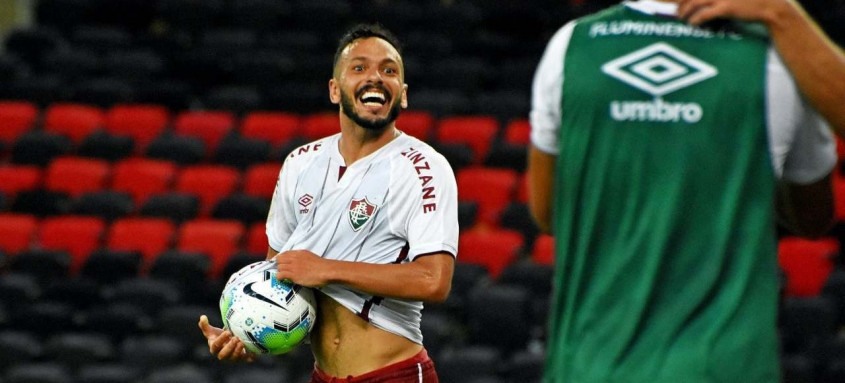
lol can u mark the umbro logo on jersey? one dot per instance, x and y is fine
(305, 201)
(360, 211)
(658, 69)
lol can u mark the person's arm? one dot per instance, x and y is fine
(815, 62)
(806, 209)
(541, 175)
(428, 278)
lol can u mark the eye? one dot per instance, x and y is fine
(358, 68)
(390, 70)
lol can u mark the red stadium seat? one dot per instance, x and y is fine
(256, 239)
(209, 182)
(839, 196)
(493, 249)
(17, 178)
(544, 250)
(218, 239)
(76, 175)
(492, 189)
(16, 117)
(148, 236)
(807, 263)
(319, 125)
(78, 235)
(209, 126)
(518, 132)
(260, 179)
(17, 231)
(140, 121)
(277, 128)
(477, 132)
(142, 177)
(417, 123)
(75, 121)
(522, 189)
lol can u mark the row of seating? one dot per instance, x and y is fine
(202, 135)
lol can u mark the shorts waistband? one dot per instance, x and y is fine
(420, 357)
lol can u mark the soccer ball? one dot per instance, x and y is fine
(268, 315)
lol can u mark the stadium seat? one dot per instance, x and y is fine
(75, 121)
(260, 179)
(188, 271)
(134, 64)
(72, 63)
(148, 236)
(74, 349)
(492, 189)
(42, 264)
(17, 178)
(103, 92)
(150, 295)
(142, 122)
(180, 323)
(209, 126)
(105, 204)
(40, 202)
(242, 207)
(106, 267)
(79, 293)
(118, 321)
(241, 152)
(17, 231)
(256, 239)
(31, 44)
(103, 145)
(152, 352)
(78, 235)
(17, 118)
(107, 373)
(516, 216)
(543, 250)
(807, 263)
(208, 182)
(76, 175)
(176, 206)
(237, 99)
(478, 132)
(184, 373)
(44, 318)
(142, 177)
(417, 123)
(493, 249)
(39, 148)
(182, 150)
(469, 363)
(40, 372)
(321, 124)
(517, 132)
(507, 330)
(100, 38)
(277, 128)
(525, 366)
(18, 348)
(217, 239)
(807, 324)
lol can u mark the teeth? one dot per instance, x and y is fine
(373, 95)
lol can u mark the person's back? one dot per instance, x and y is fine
(664, 197)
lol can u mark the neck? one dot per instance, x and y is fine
(357, 142)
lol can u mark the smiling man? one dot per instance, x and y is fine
(367, 217)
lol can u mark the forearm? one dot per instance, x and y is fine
(410, 281)
(540, 187)
(815, 62)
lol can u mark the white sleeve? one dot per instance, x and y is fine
(546, 92)
(432, 225)
(802, 146)
(281, 219)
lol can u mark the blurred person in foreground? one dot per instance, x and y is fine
(663, 156)
(368, 218)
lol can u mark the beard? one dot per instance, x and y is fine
(375, 124)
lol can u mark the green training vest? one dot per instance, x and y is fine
(664, 207)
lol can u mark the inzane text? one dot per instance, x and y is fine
(423, 169)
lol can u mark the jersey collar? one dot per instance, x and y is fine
(652, 7)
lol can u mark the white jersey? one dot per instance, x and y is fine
(391, 206)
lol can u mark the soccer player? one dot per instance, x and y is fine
(662, 156)
(368, 217)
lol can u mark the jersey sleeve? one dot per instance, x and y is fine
(281, 217)
(804, 149)
(432, 225)
(546, 92)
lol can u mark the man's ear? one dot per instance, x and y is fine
(334, 92)
(404, 102)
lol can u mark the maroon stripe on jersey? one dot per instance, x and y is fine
(340, 172)
(365, 310)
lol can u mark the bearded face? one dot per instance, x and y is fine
(370, 96)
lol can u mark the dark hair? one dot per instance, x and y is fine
(363, 31)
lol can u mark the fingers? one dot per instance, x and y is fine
(203, 325)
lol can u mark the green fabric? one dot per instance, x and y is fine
(665, 261)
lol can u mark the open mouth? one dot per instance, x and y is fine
(373, 97)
